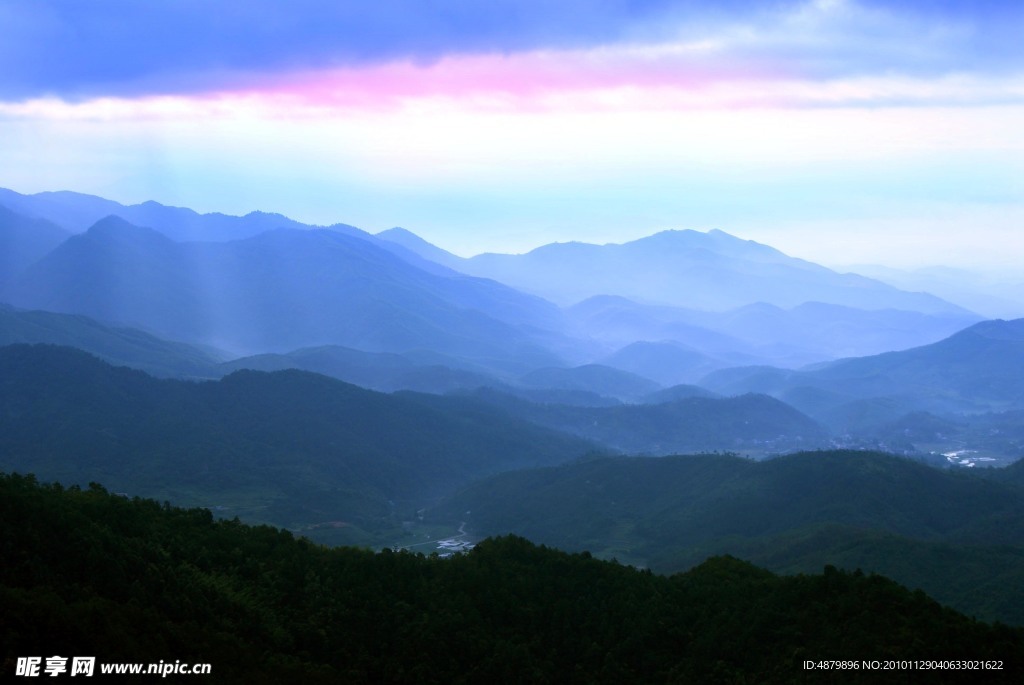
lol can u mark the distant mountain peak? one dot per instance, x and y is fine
(423, 248)
(116, 234)
(714, 240)
(267, 215)
(405, 237)
(398, 230)
(114, 226)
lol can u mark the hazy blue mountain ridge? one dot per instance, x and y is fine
(216, 289)
(279, 291)
(659, 270)
(76, 212)
(676, 268)
(960, 396)
(117, 346)
(978, 368)
(667, 274)
(284, 290)
(23, 241)
(381, 371)
(411, 242)
(137, 349)
(669, 362)
(676, 345)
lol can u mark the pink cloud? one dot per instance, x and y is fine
(536, 80)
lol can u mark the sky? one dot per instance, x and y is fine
(840, 131)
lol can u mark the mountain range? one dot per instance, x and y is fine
(277, 291)
(178, 293)
(76, 212)
(676, 268)
(264, 283)
(380, 391)
(342, 464)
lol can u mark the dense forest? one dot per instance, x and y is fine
(87, 572)
(955, 534)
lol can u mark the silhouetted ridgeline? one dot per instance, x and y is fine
(90, 573)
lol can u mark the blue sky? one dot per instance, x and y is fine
(837, 130)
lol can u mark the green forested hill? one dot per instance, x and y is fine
(89, 573)
(959, 537)
(292, 448)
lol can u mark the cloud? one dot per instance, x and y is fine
(828, 39)
(76, 50)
